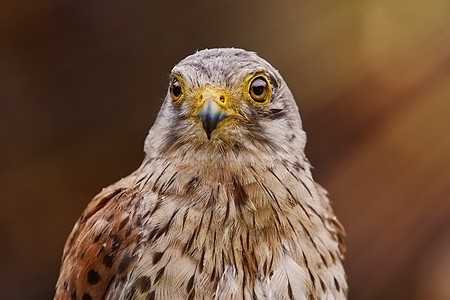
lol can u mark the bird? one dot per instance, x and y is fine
(223, 206)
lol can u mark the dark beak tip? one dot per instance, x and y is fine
(211, 115)
(210, 121)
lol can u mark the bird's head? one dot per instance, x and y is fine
(226, 101)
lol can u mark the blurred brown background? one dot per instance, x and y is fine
(81, 82)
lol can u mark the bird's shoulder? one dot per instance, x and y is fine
(103, 244)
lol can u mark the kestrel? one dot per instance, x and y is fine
(224, 205)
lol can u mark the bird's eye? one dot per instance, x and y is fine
(259, 89)
(176, 91)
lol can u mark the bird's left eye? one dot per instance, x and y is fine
(176, 91)
(259, 89)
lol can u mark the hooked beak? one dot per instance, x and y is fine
(212, 110)
(211, 115)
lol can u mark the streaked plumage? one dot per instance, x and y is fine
(224, 205)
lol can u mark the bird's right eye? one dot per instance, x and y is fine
(176, 90)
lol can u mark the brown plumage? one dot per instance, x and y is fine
(223, 206)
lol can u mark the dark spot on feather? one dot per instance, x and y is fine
(306, 187)
(213, 274)
(210, 220)
(272, 114)
(97, 237)
(191, 185)
(237, 146)
(104, 201)
(304, 210)
(108, 260)
(191, 295)
(275, 175)
(223, 260)
(140, 180)
(164, 187)
(336, 283)
(291, 137)
(202, 258)
(277, 113)
(159, 177)
(271, 195)
(159, 274)
(128, 232)
(185, 217)
(151, 296)
(211, 200)
(310, 238)
(157, 206)
(93, 277)
(292, 226)
(187, 247)
(214, 243)
(271, 265)
(143, 284)
(333, 257)
(240, 196)
(138, 221)
(311, 276)
(298, 166)
(291, 296)
(157, 232)
(148, 179)
(324, 260)
(157, 257)
(124, 222)
(115, 242)
(322, 285)
(160, 231)
(244, 283)
(227, 211)
(199, 226)
(190, 284)
(125, 263)
(145, 216)
(152, 233)
(86, 296)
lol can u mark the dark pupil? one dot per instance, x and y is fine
(258, 87)
(176, 88)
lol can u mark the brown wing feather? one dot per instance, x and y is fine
(102, 246)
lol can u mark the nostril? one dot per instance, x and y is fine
(222, 98)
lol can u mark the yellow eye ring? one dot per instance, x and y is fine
(260, 90)
(176, 89)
